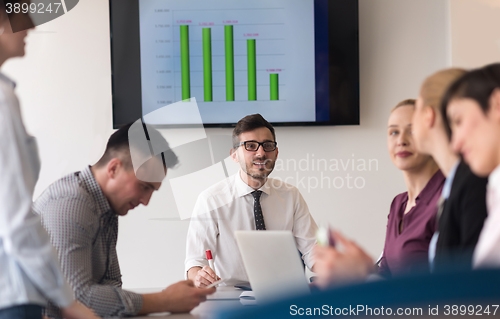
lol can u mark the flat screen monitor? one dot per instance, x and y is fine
(294, 62)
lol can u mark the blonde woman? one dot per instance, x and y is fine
(412, 218)
(463, 204)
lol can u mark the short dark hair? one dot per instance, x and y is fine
(250, 123)
(477, 85)
(2, 8)
(118, 146)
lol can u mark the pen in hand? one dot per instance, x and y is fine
(210, 259)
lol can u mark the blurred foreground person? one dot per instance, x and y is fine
(473, 109)
(463, 199)
(29, 268)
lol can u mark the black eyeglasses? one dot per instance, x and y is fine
(253, 146)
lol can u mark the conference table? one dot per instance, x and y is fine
(455, 289)
(225, 297)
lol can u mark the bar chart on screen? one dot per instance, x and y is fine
(236, 58)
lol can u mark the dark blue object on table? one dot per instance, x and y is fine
(453, 288)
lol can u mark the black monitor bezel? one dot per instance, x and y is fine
(343, 48)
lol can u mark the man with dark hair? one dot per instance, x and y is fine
(248, 200)
(80, 211)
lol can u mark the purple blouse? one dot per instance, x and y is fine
(407, 252)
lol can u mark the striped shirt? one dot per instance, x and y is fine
(84, 230)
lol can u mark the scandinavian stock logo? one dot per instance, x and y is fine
(203, 159)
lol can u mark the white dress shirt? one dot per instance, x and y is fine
(487, 252)
(29, 267)
(228, 206)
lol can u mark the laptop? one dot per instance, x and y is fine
(272, 263)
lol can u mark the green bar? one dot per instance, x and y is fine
(252, 70)
(207, 64)
(186, 83)
(228, 39)
(273, 80)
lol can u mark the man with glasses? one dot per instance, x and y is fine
(248, 200)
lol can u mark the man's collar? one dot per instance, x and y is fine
(243, 189)
(95, 190)
(494, 178)
(4, 78)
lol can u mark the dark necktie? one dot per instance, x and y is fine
(257, 210)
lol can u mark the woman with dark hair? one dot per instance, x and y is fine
(472, 105)
(29, 268)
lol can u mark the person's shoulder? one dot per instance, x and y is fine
(69, 186)
(67, 204)
(399, 198)
(67, 191)
(6, 97)
(466, 179)
(4, 92)
(223, 187)
(5, 88)
(468, 190)
(396, 203)
(282, 187)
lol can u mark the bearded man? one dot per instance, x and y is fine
(248, 200)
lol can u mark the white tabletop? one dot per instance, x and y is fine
(225, 297)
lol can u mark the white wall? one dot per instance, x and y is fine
(475, 32)
(65, 90)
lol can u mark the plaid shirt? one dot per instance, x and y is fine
(84, 229)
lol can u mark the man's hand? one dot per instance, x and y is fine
(334, 266)
(184, 296)
(78, 311)
(179, 297)
(202, 277)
